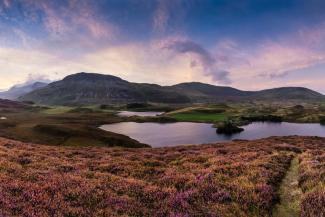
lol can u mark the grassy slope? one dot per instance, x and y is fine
(236, 179)
(309, 113)
(63, 126)
(199, 117)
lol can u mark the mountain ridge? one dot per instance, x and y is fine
(18, 90)
(92, 88)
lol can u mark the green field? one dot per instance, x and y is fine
(57, 110)
(199, 117)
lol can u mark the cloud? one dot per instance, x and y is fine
(138, 62)
(269, 63)
(279, 59)
(7, 3)
(161, 16)
(76, 16)
(200, 57)
(36, 77)
(170, 14)
(20, 65)
(81, 23)
(75, 35)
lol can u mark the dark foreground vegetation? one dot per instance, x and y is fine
(228, 128)
(241, 178)
(67, 126)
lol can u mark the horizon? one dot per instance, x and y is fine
(48, 82)
(225, 43)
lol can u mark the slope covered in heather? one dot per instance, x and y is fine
(240, 178)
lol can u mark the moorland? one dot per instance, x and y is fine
(241, 178)
(56, 161)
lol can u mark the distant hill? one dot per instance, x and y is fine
(18, 90)
(89, 88)
(200, 92)
(284, 93)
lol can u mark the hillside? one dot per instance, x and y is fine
(18, 90)
(89, 88)
(200, 92)
(284, 93)
(240, 178)
(8, 104)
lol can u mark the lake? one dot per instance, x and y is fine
(182, 133)
(142, 114)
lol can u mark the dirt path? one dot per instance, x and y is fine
(290, 193)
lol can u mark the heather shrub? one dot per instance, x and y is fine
(218, 180)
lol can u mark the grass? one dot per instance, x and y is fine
(77, 127)
(238, 112)
(199, 117)
(57, 110)
(290, 193)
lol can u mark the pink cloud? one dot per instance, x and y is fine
(7, 3)
(268, 59)
(169, 13)
(61, 20)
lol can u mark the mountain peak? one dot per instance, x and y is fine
(91, 77)
(18, 90)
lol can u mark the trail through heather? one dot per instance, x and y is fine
(290, 193)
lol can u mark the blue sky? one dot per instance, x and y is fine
(248, 44)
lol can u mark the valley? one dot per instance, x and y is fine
(79, 126)
(97, 157)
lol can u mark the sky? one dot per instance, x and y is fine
(247, 44)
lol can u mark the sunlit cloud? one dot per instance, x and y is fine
(200, 56)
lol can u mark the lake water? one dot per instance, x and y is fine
(142, 114)
(182, 133)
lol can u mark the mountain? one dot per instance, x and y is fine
(200, 92)
(283, 93)
(18, 90)
(89, 88)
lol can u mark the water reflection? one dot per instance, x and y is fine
(142, 114)
(171, 134)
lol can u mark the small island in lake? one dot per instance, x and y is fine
(228, 128)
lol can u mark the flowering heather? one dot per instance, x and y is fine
(231, 179)
(312, 182)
